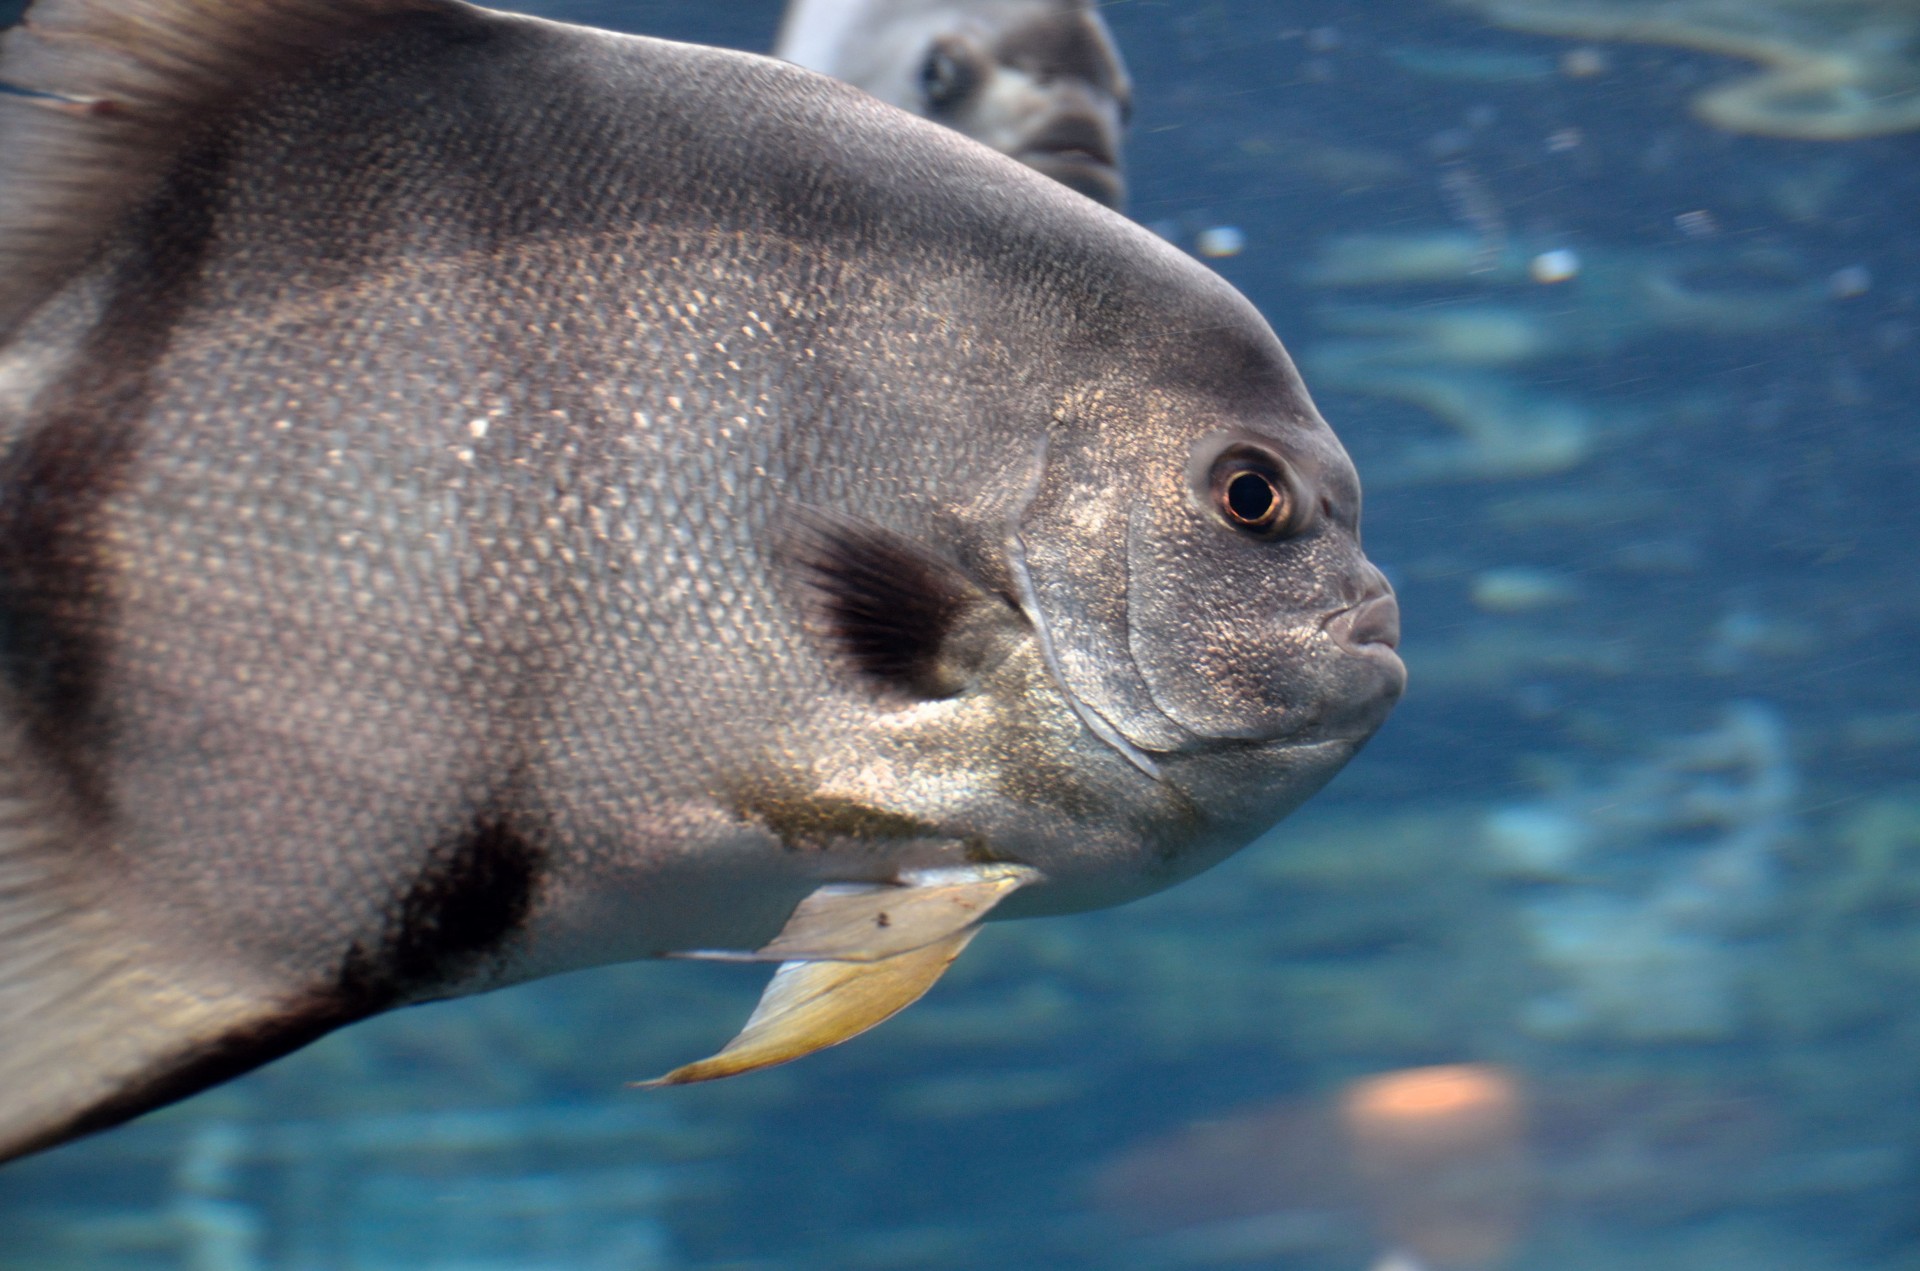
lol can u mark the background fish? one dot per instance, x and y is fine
(1040, 80)
(482, 497)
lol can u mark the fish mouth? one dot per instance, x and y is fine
(1078, 153)
(1367, 679)
(1369, 629)
(1370, 679)
(1368, 633)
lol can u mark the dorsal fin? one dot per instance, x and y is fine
(101, 95)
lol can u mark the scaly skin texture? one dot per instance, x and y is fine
(399, 524)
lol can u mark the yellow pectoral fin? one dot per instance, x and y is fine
(809, 1006)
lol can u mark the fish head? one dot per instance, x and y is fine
(1042, 82)
(1192, 556)
(1039, 80)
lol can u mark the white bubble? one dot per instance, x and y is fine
(1519, 589)
(1220, 241)
(1565, 139)
(1853, 280)
(1558, 265)
(1584, 62)
(1324, 39)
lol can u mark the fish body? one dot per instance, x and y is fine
(506, 497)
(1040, 80)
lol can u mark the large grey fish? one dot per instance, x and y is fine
(1040, 80)
(481, 497)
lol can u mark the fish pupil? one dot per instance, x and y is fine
(1251, 499)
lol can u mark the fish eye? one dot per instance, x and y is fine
(1251, 492)
(949, 75)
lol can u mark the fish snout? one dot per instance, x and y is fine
(1081, 151)
(1369, 632)
(1371, 625)
(1080, 136)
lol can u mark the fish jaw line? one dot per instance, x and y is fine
(1303, 729)
(1288, 731)
(1368, 628)
(1366, 633)
(1074, 140)
(1300, 741)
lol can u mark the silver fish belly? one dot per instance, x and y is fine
(1040, 80)
(481, 497)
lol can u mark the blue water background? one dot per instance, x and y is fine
(1644, 835)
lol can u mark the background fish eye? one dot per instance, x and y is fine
(950, 74)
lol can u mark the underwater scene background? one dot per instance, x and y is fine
(1614, 302)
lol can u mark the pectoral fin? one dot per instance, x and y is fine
(810, 1006)
(854, 955)
(903, 616)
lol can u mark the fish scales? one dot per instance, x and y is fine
(507, 497)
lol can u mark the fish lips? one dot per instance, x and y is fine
(1369, 629)
(1080, 153)
(1368, 633)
